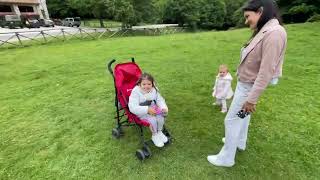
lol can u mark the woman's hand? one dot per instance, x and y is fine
(249, 107)
(152, 111)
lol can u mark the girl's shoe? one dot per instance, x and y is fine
(156, 140)
(162, 137)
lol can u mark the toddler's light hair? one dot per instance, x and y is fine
(223, 66)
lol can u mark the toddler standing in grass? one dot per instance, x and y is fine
(222, 88)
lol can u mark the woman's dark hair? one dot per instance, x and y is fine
(146, 76)
(269, 9)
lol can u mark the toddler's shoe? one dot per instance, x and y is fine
(162, 137)
(224, 110)
(156, 140)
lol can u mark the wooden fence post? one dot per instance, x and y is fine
(80, 33)
(17, 34)
(44, 37)
(64, 36)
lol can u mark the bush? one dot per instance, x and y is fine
(183, 12)
(212, 13)
(301, 13)
(238, 18)
(314, 18)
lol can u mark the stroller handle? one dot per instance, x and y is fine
(112, 61)
(110, 64)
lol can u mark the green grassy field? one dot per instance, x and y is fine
(95, 23)
(56, 110)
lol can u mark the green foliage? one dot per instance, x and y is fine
(238, 18)
(124, 12)
(206, 14)
(234, 15)
(145, 11)
(60, 9)
(302, 9)
(83, 7)
(99, 9)
(299, 10)
(160, 7)
(212, 14)
(314, 18)
(183, 12)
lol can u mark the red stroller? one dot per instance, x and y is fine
(125, 76)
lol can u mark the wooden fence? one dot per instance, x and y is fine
(25, 38)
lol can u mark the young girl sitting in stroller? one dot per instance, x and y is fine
(146, 102)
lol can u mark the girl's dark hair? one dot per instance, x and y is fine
(269, 9)
(146, 76)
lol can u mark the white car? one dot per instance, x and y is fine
(71, 22)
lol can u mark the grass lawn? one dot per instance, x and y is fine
(56, 110)
(95, 23)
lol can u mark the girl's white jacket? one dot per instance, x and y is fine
(222, 87)
(138, 96)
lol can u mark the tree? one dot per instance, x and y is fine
(237, 18)
(83, 7)
(212, 14)
(301, 13)
(183, 12)
(234, 15)
(144, 10)
(100, 9)
(298, 10)
(60, 9)
(160, 7)
(124, 12)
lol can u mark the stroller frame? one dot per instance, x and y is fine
(122, 121)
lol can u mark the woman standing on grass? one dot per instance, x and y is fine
(260, 65)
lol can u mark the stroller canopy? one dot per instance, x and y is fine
(126, 76)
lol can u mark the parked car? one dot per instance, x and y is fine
(11, 21)
(70, 22)
(32, 23)
(46, 22)
(57, 22)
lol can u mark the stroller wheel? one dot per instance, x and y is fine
(116, 133)
(140, 155)
(169, 141)
(146, 150)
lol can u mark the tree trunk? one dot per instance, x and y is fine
(101, 22)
